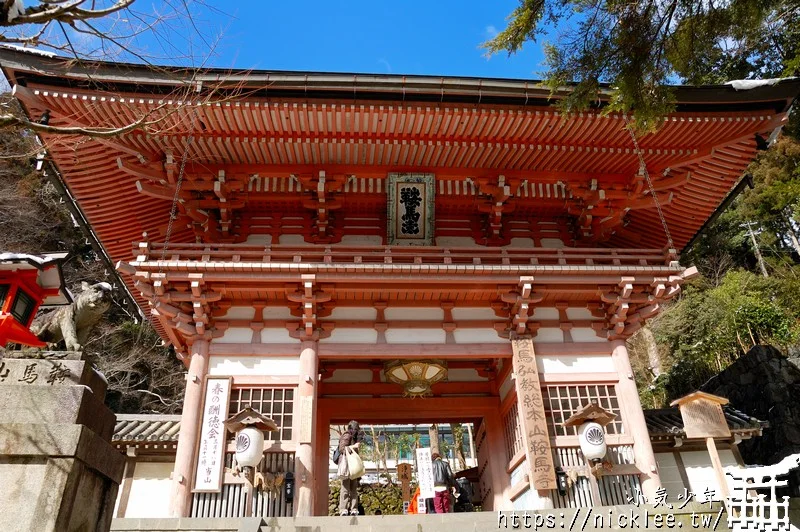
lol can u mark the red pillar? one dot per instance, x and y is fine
(305, 480)
(500, 479)
(191, 417)
(631, 408)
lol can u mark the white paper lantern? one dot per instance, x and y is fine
(249, 446)
(592, 438)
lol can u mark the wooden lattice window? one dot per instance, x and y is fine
(512, 431)
(561, 402)
(275, 403)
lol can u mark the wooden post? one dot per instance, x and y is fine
(718, 471)
(703, 418)
(191, 416)
(249, 474)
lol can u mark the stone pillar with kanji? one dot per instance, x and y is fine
(55, 448)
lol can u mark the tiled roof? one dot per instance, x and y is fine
(137, 428)
(668, 421)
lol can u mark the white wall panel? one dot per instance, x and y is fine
(274, 335)
(550, 335)
(701, 472)
(277, 313)
(235, 335)
(456, 242)
(478, 336)
(575, 364)
(248, 365)
(351, 336)
(670, 475)
(150, 490)
(239, 313)
(415, 314)
(584, 334)
(474, 313)
(360, 240)
(578, 313)
(415, 336)
(545, 313)
(353, 313)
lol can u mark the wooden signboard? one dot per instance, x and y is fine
(531, 416)
(404, 476)
(425, 473)
(410, 209)
(703, 418)
(211, 452)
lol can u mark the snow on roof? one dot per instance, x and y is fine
(747, 84)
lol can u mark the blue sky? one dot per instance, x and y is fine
(435, 37)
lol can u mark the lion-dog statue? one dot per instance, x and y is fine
(73, 323)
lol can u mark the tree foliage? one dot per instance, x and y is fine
(638, 46)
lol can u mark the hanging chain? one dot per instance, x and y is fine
(174, 209)
(643, 170)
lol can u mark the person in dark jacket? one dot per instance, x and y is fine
(443, 482)
(348, 494)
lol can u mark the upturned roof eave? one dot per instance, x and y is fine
(108, 74)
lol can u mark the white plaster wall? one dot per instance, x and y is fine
(553, 243)
(415, 336)
(584, 334)
(550, 335)
(353, 313)
(577, 313)
(351, 336)
(236, 335)
(670, 475)
(415, 314)
(456, 242)
(474, 313)
(259, 239)
(545, 313)
(521, 243)
(274, 335)
(575, 364)
(350, 375)
(150, 490)
(294, 240)
(277, 313)
(701, 473)
(361, 240)
(239, 313)
(237, 366)
(478, 336)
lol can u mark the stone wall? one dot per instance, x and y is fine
(764, 384)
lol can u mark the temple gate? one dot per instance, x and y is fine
(327, 228)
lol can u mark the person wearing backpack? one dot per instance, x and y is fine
(348, 494)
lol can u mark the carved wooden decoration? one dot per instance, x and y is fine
(531, 415)
(410, 209)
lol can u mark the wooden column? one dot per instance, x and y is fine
(306, 406)
(633, 418)
(191, 416)
(500, 480)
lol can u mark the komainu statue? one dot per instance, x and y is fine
(73, 323)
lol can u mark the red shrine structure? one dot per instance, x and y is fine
(342, 241)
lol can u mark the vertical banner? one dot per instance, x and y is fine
(425, 473)
(211, 451)
(531, 415)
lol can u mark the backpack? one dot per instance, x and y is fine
(336, 455)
